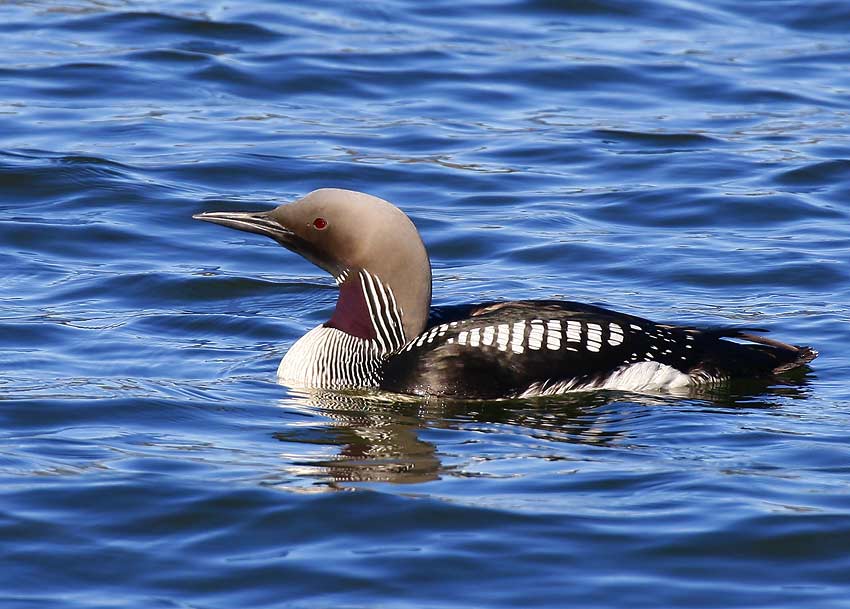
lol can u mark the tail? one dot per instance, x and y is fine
(755, 355)
(788, 356)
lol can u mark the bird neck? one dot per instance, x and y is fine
(367, 308)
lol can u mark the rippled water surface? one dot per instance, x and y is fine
(684, 161)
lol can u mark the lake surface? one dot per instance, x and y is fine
(683, 161)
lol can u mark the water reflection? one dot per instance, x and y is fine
(377, 440)
(374, 437)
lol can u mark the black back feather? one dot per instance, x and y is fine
(444, 361)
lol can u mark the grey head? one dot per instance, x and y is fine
(347, 233)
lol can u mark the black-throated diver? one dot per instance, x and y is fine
(380, 336)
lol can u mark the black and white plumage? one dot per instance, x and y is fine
(382, 336)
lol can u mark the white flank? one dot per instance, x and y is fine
(646, 376)
(640, 377)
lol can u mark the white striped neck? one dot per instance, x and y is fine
(367, 309)
(327, 358)
(348, 351)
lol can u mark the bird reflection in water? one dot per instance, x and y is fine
(378, 437)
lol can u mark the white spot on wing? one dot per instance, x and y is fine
(616, 335)
(573, 331)
(487, 338)
(535, 335)
(518, 337)
(503, 337)
(473, 337)
(553, 334)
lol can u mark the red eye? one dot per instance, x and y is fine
(320, 224)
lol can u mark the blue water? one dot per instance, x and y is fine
(684, 161)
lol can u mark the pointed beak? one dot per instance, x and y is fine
(263, 223)
(260, 223)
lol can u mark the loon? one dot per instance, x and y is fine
(384, 335)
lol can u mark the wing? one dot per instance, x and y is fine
(511, 348)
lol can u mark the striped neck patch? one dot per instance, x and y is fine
(367, 309)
